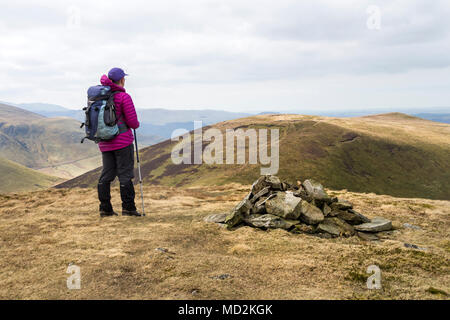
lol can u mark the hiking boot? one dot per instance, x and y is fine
(131, 213)
(127, 194)
(107, 213)
(104, 195)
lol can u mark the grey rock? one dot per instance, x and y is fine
(234, 218)
(376, 225)
(238, 213)
(324, 235)
(315, 190)
(333, 213)
(273, 182)
(269, 221)
(335, 227)
(221, 276)
(341, 204)
(413, 246)
(259, 209)
(195, 292)
(260, 206)
(164, 250)
(284, 205)
(263, 200)
(297, 193)
(352, 217)
(287, 186)
(261, 193)
(310, 214)
(326, 209)
(331, 229)
(222, 225)
(303, 194)
(363, 218)
(216, 217)
(410, 226)
(303, 228)
(368, 236)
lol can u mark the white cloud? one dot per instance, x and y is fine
(254, 55)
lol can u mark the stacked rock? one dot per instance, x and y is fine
(305, 208)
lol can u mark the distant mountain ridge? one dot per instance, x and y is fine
(160, 116)
(42, 107)
(156, 124)
(156, 116)
(438, 117)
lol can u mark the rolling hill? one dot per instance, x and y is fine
(393, 154)
(10, 113)
(38, 142)
(19, 178)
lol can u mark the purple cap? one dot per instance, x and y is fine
(115, 74)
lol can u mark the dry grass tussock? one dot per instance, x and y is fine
(42, 232)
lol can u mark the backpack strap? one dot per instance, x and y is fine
(86, 111)
(111, 98)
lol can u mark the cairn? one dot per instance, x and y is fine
(304, 208)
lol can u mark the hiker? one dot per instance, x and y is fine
(118, 153)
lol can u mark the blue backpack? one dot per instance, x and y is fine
(101, 123)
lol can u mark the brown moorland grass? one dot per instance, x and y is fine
(42, 232)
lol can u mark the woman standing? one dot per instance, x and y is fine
(118, 153)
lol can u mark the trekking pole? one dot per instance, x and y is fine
(139, 171)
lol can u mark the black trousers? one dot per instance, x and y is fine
(117, 163)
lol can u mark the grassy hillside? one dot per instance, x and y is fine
(392, 154)
(44, 232)
(38, 142)
(13, 114)
(16, 178)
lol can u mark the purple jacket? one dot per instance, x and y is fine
(125, 112)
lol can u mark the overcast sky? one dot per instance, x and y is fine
(233, 55)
